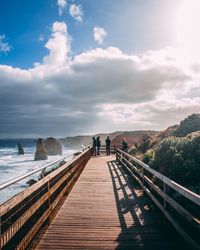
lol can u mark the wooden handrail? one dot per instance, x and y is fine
(24, 214)
(22, 177)
(182, 190)
(183, 220)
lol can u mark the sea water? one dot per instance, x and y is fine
(13, 165)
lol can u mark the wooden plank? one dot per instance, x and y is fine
(172, 220)
(8, 234)
(180, 209)
(25, 193)
(77, 166)
(106, 210)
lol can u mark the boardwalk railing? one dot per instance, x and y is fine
(103, 149)
(179, 205)
(22, 216)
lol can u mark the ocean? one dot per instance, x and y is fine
(13, 165)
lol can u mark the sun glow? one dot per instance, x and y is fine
(188, 26)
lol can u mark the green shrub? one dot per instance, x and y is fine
(178, 159)
(188, 125)
(148, 156)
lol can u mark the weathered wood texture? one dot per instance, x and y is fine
(23, 215)
(179, 205)
(107, 210)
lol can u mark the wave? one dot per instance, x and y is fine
(13, 165)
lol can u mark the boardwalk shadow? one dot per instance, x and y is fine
(141, 227)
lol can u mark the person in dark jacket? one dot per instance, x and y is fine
(94, 144)
(108, 142)
(98, 144)
(124, 145)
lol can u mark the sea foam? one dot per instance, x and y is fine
(13, 165)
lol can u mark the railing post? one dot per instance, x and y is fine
(117, 156)
(48, 190)
(49, 198)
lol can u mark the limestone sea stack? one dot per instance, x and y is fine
(41, 153)
(53, 147)
(20, 149)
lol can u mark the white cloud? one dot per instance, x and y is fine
(99, 90)
(76, 12)
(99, 35)
(4, 46)
(61, 6)
(58, 46)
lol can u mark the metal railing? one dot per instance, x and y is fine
(22, 216)
(179, 205)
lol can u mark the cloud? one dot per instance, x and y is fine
(98, 90)
(99, 35)
(61, 6)
(4, 46)
(76, 12)
(58, 45)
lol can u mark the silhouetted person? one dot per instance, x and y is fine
(124, 145)
(94, 144)
(108, 142)
(98, 144)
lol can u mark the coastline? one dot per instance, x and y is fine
(13, 165)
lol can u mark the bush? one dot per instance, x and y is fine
(178, 159)
(148, 156)
(188, 125)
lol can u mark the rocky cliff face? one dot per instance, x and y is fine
(53, 147)
(40, 153)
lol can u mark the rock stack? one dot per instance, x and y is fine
(20, 149)
(40, 153)
(53, 147)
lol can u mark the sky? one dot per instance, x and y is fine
(70, 67)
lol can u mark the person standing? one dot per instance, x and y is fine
(94, 144)
(108, 142)
(124, 145)
(98, 144)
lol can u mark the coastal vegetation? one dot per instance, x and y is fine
(178, 157)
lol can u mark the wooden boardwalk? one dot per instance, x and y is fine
(107, 210)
